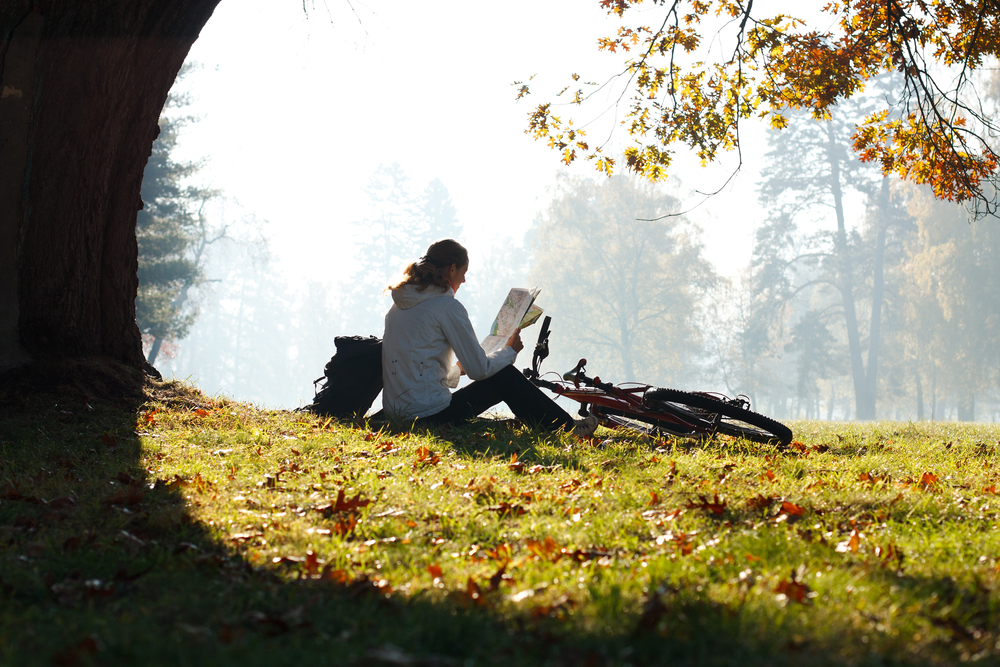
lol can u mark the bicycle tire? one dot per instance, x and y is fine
(731, 419)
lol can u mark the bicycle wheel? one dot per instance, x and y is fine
(727, 418)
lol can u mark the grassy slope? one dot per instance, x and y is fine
(188, 530)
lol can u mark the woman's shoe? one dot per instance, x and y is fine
(584, 428)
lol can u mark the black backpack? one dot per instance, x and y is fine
(353, 378)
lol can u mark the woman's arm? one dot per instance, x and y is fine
(514, 341)
(462, 338)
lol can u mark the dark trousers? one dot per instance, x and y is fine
(509, 386)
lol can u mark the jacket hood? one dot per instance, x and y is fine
(409, 296)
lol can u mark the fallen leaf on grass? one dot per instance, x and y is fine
(515, 465)
(343, 504)
(130, 495)
(557, 608)
(471, 595)
(426, 457)
(312, 563)
(504, 508)
(570, 486)
(346, 525)
(888, 555)
(474, 593)
(872, 478)
(125, 478)
(795, 589)
(927, 482)
(790, 512)
(501, 553)
(760, 502)
(339, 577)
(715, 506)
(547, 549)
(851, 544)
(681, 542)
(499, 577)
(78, 653)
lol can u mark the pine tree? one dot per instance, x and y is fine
(170, 235)
(439, 213)
(397, 231)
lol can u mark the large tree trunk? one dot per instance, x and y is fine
(82, 87)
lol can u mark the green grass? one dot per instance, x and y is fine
(189, 530)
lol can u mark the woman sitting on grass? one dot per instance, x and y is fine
(425, 326)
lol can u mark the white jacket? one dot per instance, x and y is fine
(422, 329)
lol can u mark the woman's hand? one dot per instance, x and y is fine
(515, 341)
(461, 371)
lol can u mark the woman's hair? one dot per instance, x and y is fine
(432, 268)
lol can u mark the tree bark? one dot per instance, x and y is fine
(154, 350)
(845, 270)
(878, 292)
(82, 87)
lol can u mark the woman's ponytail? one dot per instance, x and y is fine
(432, 268)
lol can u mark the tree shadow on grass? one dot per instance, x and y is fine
(104, 564)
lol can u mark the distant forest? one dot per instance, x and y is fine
(865, 297)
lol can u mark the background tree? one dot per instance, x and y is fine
(685, 89)
(399, 227)
(172, 233)
(953, 292)
(810, 174)
(815, 347)
(623, 291)
(439, 213)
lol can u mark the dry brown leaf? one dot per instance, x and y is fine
(761, 502)
(715, 506)
(851, 544)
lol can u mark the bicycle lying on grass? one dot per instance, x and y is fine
(654, 410)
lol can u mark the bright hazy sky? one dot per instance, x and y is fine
(296, 110)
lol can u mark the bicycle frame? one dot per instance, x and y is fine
(626, 400)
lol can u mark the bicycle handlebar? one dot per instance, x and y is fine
(577, 373)
(576, 376)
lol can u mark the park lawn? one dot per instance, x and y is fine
(182, 529)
